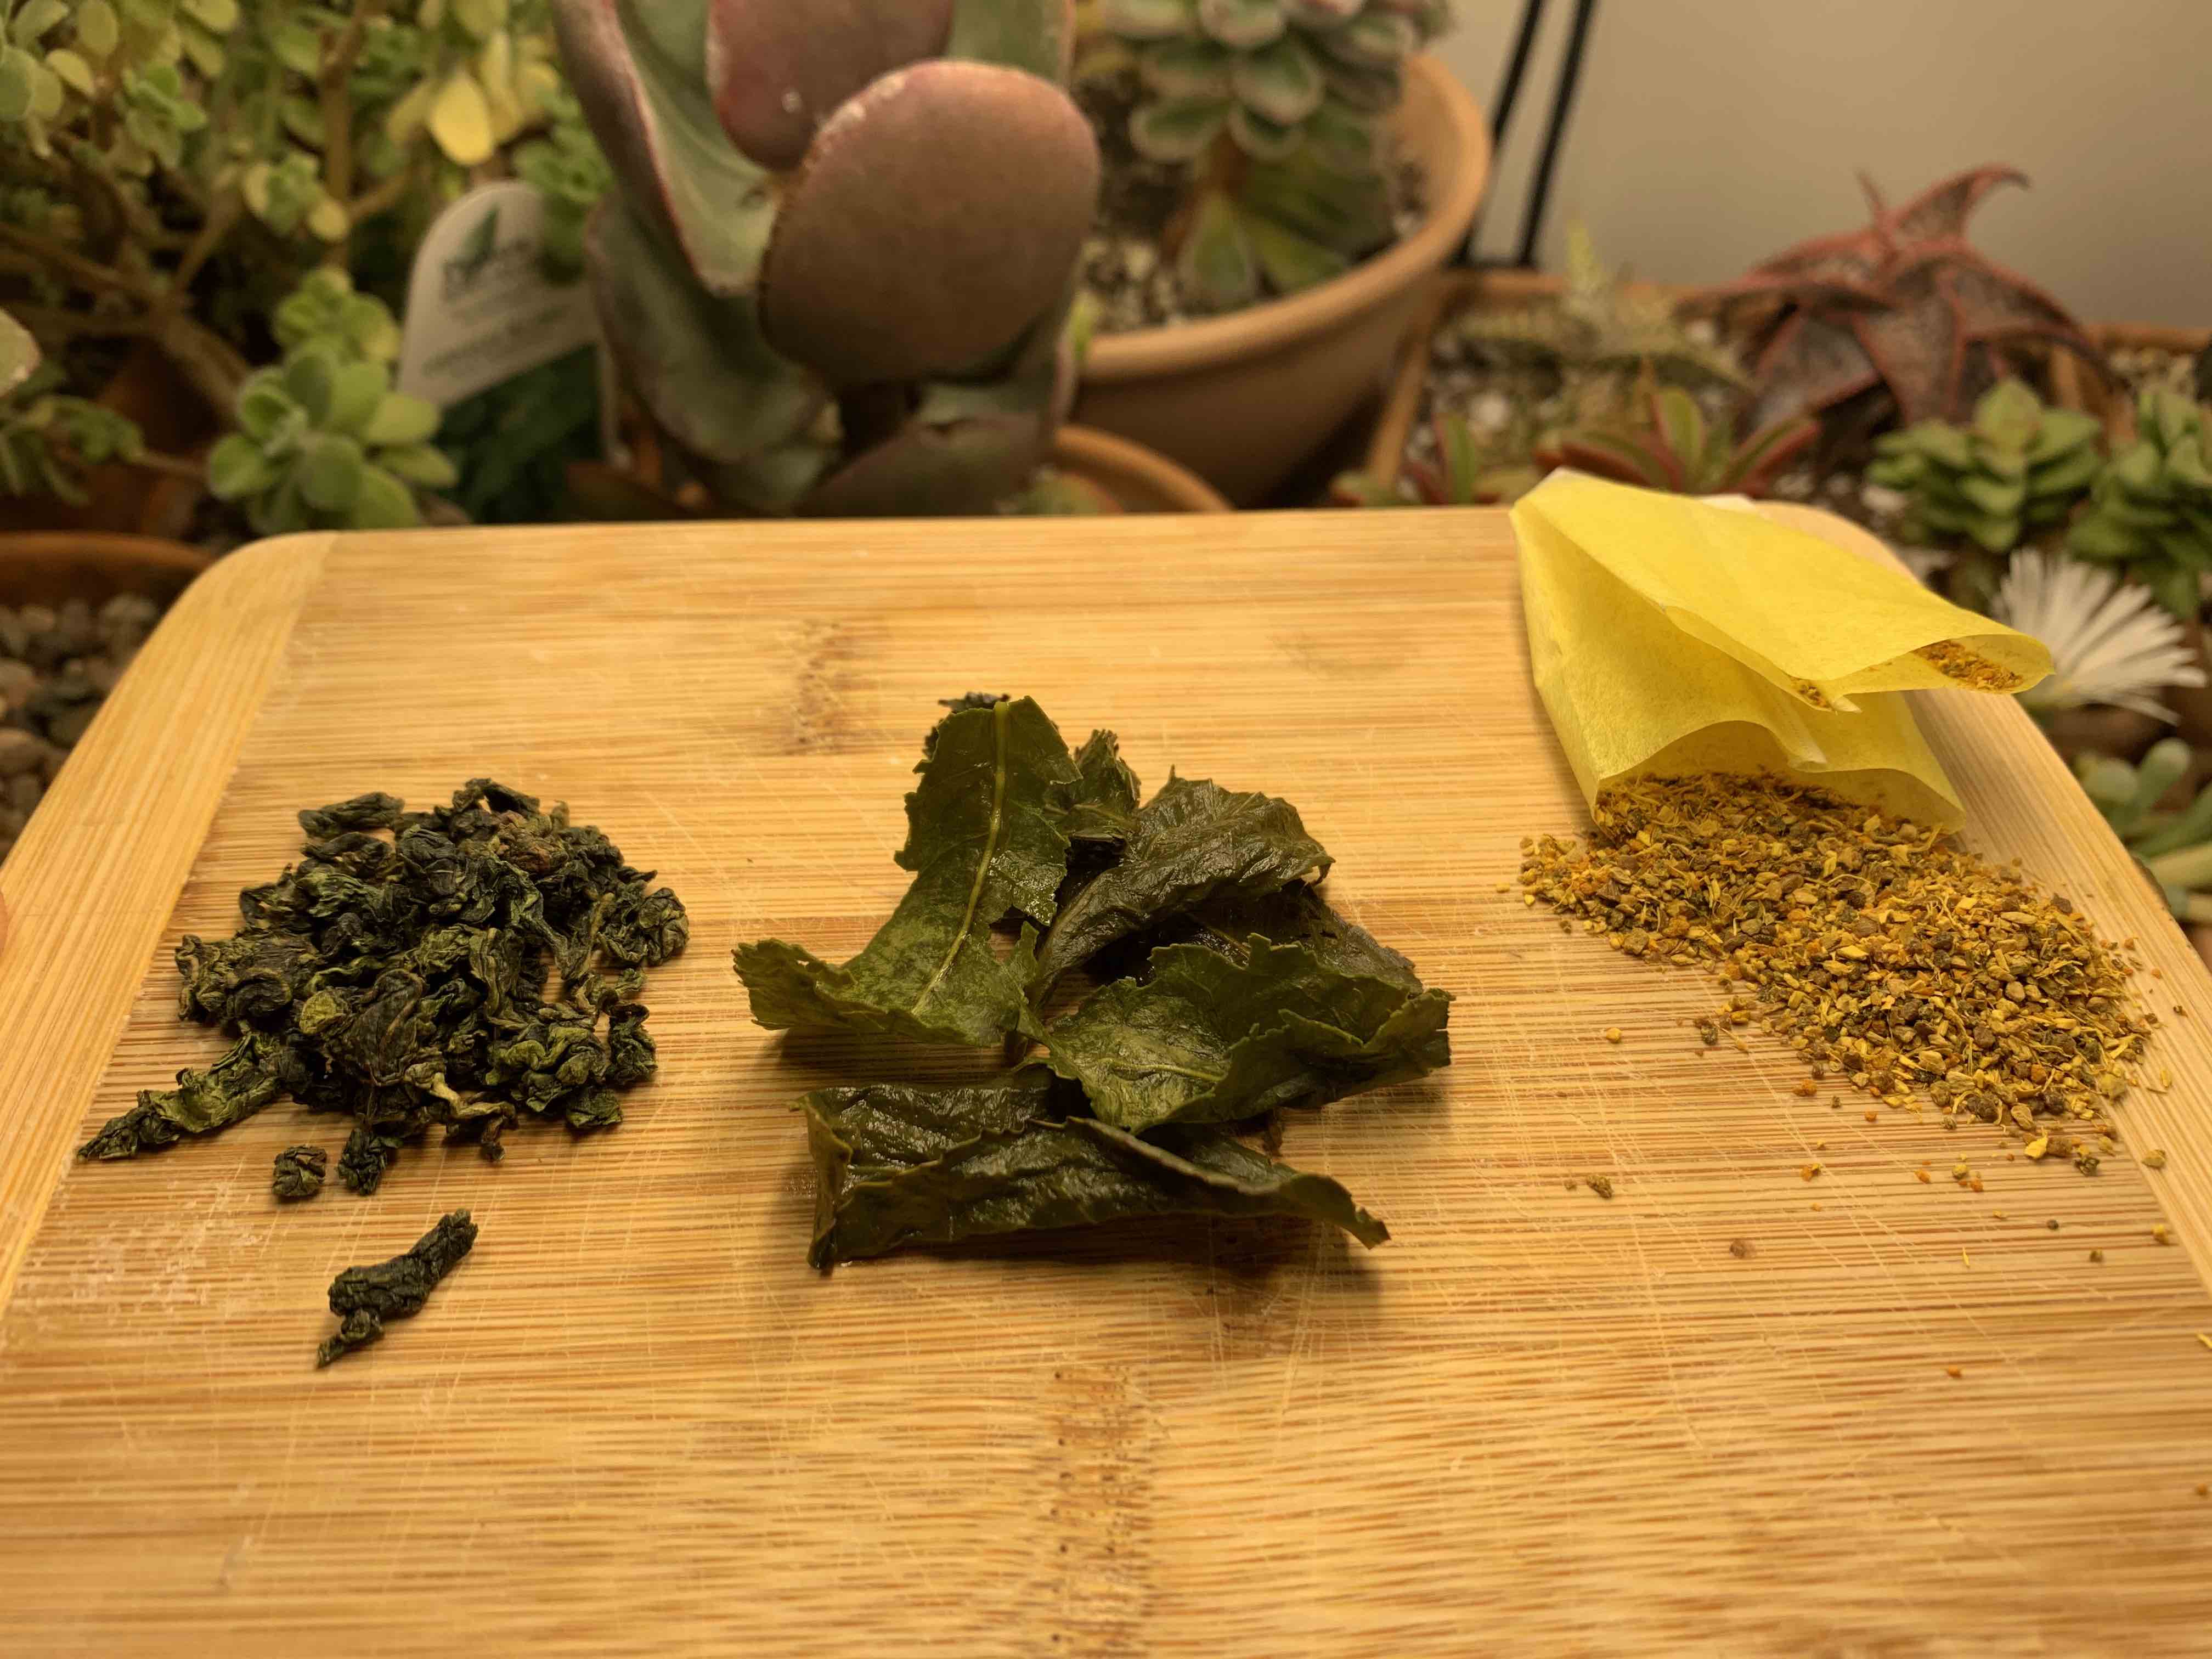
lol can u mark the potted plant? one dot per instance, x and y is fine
(1269, 137)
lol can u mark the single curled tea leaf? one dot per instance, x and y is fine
(1210, 1038)
(1106, 793)
(364, 1298)
(299, 1173)
(464, 967)
(1192, 842)
(898, 1165)
(986, 840)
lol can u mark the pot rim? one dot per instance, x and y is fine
(1142, 353)
(1105, 458)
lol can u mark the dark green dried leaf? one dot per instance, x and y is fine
(899, 1165)
(1106, 793)
(1194, 840)
(404, 981)
(1208, 1038)
(299, 1173)
(364, 1298)
(987, 839)
(1297, 914)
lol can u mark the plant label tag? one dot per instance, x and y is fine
(480, 307)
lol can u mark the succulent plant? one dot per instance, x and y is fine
(2151, 507)
(1465, 472)
(1676, 448)
(2174, 848)
(570, 175)
(1906, 304)
(48, 440)
(323, 441)
(1276, 108)
(1600, 325)
(2019, 468)
(841, 242)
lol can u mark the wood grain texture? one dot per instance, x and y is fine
(633, 1422)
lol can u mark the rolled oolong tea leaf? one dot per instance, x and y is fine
(986, 838)
(461, 966)
(1206, 1038)
(1193, 840)
(299, 1173)
(899, 1165)
(364, 1298)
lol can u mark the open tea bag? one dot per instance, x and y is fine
(1668, 634)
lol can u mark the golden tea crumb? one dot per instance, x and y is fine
(1974, 1183)
(2037, 1147)
(1878, 949)
(2206, 1341)
(1602, 1185)
(2096, 1256)
(1964, 1260)
(1954, 1371)
(1806, 1171)
(1806, 1088)
(1613, 1034)
(1922, 1175)
(2162, 1233)
(2205, 1491)
(1954, 662)
(2154, 1160)
(1741, 1249)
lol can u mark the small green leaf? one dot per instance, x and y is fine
(383, 502)
(1243, 24)
(36, 17)
(71, 70)
(299, 48)
(97, 30)
(215, 16)
(357, 390)
(1186, 69)
(1218, 266)
(311, 377)
(331, 471)
(460, 120)
(1292, 262)
(236, 469)
(1280, 81)
(329, 221)
(205, 50)
(399, 419)
(1176, 128)
(18, 91)
(421, 465)
(480, 17)
(1149, 19)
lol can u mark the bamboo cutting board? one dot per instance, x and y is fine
(1715, 1414)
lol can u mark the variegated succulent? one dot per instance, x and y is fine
(1277, 108)
(2019, 468)
(840, 245)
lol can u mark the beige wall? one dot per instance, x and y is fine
(1708, 133)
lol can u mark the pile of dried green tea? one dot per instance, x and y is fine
(1884, 952)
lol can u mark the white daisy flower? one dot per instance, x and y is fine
(2110, 641)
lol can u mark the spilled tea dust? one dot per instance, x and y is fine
(1880, 950)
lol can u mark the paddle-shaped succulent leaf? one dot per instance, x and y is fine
(987, 840)
(847, 206)
(2019, 468)
(1275, 108)
(2151, 507)
(895, 1164)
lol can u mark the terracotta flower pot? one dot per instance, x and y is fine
(1242, 399)
(47, 566)
(1129, 477)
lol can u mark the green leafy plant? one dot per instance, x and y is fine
(150, 147)
(48, 440)
(1275, 109)
(1906, 304)
(2174, 846)
(1676, 448)
(2019, 468)
(569, 174)
(323, 441)
(840, 250)
(1465, 472)
(511, 443)
(2151, 507)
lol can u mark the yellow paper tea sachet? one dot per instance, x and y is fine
(1668, 634)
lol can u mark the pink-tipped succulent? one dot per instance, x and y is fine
(1677, 449)
(844, 241)
(1906, 302)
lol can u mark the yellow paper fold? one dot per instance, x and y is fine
(1668, 635)
(1822, 623)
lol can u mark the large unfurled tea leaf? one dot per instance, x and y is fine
(1297, 914)
(987, 837)
(1209, 1038)
(1193, 841)
(899, 1165)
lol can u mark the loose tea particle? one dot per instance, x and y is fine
(364, 1298)
(1879, 949)
(299, 1173)
(1602, 1185)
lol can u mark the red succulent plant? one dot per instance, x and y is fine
(1905, 302)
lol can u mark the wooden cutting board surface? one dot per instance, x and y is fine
(1715, 1414)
